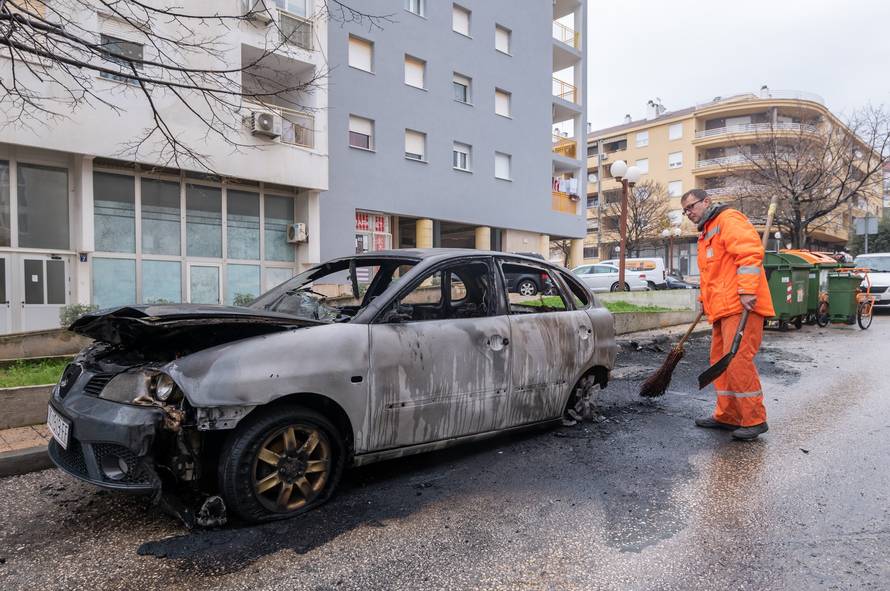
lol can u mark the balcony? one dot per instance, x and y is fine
(297, 128)
(755, 128)
(725, 161)
(565, 91)
(566, 35)
(564, 203)
(565, 146)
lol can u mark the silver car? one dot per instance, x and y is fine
(258, 410)
(604, 277)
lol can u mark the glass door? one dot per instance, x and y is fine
(204, 283)
(5, 287)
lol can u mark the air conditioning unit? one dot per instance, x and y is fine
(296, 233)
(265, 123)
(259, 10)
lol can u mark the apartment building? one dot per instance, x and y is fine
(80, 223)
(457, 124)
(702, 146)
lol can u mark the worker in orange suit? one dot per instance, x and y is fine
(730, 260)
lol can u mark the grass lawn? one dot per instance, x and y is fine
(32, 373)
(617, 307)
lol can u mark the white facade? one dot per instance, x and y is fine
(82, 220)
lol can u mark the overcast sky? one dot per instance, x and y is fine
(689, 51)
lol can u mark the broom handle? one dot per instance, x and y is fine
(770, 214)
(690, 329)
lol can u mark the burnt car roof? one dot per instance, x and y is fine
(423, 254)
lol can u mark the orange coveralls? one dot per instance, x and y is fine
(730, 260)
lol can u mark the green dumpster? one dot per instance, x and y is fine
(843, 286)
(787, 276)
(820, 266)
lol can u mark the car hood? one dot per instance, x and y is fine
(148, 325)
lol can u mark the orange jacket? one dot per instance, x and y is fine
(730, 260)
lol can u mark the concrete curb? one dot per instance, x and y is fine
(22, 461)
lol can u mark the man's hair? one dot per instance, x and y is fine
(699, 194)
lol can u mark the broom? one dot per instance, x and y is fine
(658, 382)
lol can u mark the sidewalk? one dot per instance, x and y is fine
(23, 450)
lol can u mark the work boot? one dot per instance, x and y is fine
(712, 423)
(749, 433)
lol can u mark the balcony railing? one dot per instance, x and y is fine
(563, 202)
(565, 146)
(723, 161)
(755, 128)
(297, 128)
(567, 35)
(565, 91)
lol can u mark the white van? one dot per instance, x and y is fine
(650, 270)
(878, 265)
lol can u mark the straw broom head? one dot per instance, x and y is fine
(658, 382)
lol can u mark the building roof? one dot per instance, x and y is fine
(624, 126)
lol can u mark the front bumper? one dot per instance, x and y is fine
(109, 443)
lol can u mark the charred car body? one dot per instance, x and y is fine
(356, 360)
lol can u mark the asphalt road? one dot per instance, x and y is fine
(639, 499)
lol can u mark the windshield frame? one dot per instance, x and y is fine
(868, 262)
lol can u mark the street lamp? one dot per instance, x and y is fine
(628, 177)
(669, 233)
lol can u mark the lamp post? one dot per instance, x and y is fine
(628, 177)
(669, 233)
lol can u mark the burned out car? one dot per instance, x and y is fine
(356, 360)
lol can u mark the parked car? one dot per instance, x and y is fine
(259, 409)
(651, 270)
(879, 275)
(531, 282)
(603, 277)
(674, 280)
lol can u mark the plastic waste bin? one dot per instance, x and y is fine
(787, 276)
(820, 266)
(843, 285)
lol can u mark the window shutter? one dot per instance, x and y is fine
(414, 72)
(502, 39)
(360, 53)
(461, 20)
(502, 103)
(415, 143)
(361, 125)
(501, 165)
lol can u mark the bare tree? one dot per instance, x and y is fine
(647, 209)
(563, 248)
(820, 169)
(182, 64)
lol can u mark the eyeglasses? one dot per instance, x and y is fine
(688, 209)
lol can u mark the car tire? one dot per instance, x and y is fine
(651, 285)
(310, 455)
(527, 287)
(615, 287)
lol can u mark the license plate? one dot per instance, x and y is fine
(58, 426)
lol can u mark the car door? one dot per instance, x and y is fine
(440, 358)
(603, 277)
(550, 343)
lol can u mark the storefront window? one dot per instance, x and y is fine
(160, 217)
(114, 212)
(276, 276)
(242, 283)
(161, 282)
(204, 221)
(243, 226)
(204, 284)
(5, 232)
(43, 207)
(114, 282)
(279, 215)
(372, 232)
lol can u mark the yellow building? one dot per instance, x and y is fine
(698, 147)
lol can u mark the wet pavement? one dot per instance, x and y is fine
(638, 499)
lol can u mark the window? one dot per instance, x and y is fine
(580, 294)
(114, 282)
(297, 129)
(642, 139)
(242, 284)
(461, 156)
(675, 188)
(114, 212)
(415, 145)
(415, 72)
(526, 286)
(361, 133)
(279, 214)
(124, 53)
(502, 165)
(203, 224)
(373, 231)
(43, 207)
(416, 6)
(460, 20)
(461, 86)
(675, 131)
(361, 54)
(161, 282)
(243, 225)
(461, 291)
(643, 165)
(160, 217)
(502, 102)
(296, 31)
(296, 7)
(675, 160)
(5, 205)
(502, 39)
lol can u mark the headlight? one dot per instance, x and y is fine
(126, 387)
(163, 387)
